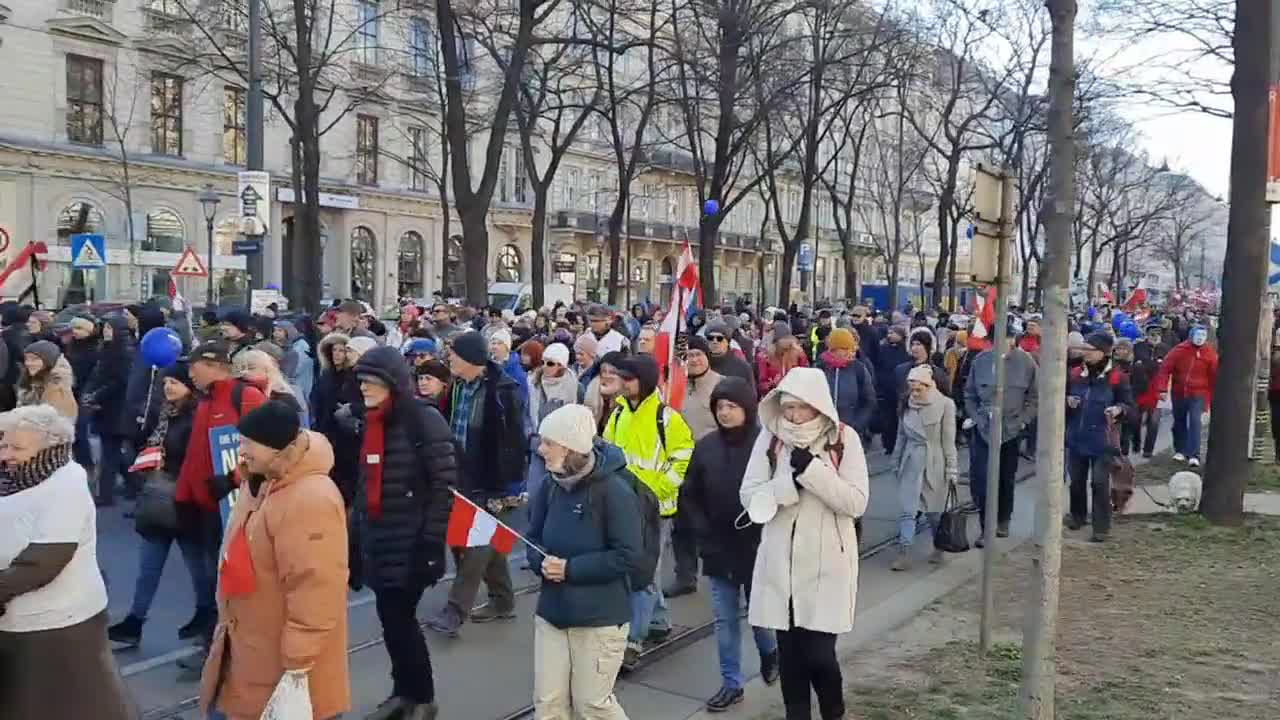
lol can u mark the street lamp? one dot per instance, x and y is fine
(209, 201)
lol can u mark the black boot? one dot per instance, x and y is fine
(200, 624)
(127, 632)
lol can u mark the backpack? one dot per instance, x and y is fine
(660, 418)
(641, 573)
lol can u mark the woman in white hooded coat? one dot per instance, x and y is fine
(806, 483)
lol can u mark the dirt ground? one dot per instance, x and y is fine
(1170, 620)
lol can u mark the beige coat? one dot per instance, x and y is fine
(924, 478)
(52, 387)
(808, 556)
(697, 404)
(296, 617)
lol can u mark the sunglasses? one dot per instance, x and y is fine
(551, 363)
(716, 338)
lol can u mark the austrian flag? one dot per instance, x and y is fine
(471, 526)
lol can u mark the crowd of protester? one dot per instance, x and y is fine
(357, 433)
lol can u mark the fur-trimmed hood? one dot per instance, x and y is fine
(324, 351)
(59, 376)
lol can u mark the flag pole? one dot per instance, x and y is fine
(509, 529)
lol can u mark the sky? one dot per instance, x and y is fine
(1194, 143)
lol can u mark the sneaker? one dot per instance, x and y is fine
(127, 632)
(491, 613)
(680, 589)
(1147, 456)
(903, 561)
(937, 557)
(769, 668)
(1072, 522)
(1002, 529)
(630, 658)
(723, 699)
(199, 624)
(658, 634)
(1098, 537)
(392, 707)
(447, 622)
(1179, 457)
(1194, 462)
(980, 542)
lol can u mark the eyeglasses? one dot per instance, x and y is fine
(716, 338)
(551, 363)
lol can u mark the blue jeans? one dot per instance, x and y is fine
(907, 526)
(648, 606)
(724, 603)
(152, 555)
(1186, 425)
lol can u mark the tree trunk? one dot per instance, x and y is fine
(850, 272)
(617, 269)
(1036, 698)
(1244, 268)
(945, 199)
(789, 251)
(951, 267)
(708, 235)
(893, 282)
(307, 260)
(475, 252)
(538, 245)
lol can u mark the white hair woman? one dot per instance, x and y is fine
(53, 602)
(806, 483)
(262, 370)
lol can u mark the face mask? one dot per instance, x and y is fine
(1198, 337)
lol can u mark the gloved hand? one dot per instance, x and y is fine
(346, 419)
(800, 459)
(221, 486)
(968, 424)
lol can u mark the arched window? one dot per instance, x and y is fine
(362, 264)
(509, 267)
(409, 264)
(164, 232)
(78, 217)
(455, 275)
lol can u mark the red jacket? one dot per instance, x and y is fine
(769, 372)
(215, 410)
(1194, 370)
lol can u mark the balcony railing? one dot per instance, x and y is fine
(101, 9)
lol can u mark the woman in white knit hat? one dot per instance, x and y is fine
(924, 457)
(586, 519)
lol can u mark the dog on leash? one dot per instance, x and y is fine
(1184, 491)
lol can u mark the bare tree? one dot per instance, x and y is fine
(125, 94)
(1182, 233)
(846, 56)
(956, 112)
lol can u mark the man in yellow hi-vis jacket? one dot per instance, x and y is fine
(658, 445)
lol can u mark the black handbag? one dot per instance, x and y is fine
(952, 533)
(157, 510)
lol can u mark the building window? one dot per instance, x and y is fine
(367, 32)
(421, 46)
(409, 265)
(159, 282)
(366, 150)
(166, 114)
(418, 158)
(233, 14)
(362, 264)
(84, 100)
(76, 218)
(641, 273)
(164, 233)
(520, 179)
(820, 282)
(509, 266)
(234, 136)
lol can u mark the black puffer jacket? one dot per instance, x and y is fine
(335, 387)
(709, 497)
(404, 547)
(104, 393)
(83, 356)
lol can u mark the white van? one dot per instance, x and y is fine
(518, 297)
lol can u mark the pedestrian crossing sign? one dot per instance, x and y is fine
(189, 264)
(88, 251)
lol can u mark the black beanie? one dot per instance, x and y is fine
(181, 371)
(697, 342)
(643, 368)
(273, 424)
(471, 348)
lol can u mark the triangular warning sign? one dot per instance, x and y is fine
(189, 264)
(88, 257)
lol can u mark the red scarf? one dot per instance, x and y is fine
(372, 454)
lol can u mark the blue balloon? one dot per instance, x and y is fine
(711, 207)
(1118, 318)
(161, 347)
(1130, 330)
(1093, 312)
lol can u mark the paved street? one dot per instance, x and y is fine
(466, 668)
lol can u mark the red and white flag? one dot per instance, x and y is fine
(1137, 297)
(471, 526)
(674, 324)
(984, 322)
(150, 458)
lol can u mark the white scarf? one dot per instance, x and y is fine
(803, 434)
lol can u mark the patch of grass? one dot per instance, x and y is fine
(1263, 477)
(1172, 619)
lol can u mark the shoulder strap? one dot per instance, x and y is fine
(662, 427)
(772, 453)
(837, 448)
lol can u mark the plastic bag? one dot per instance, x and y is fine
(291, 699)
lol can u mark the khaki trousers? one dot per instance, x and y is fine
(574, 671)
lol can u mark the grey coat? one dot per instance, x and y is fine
(1020, 401)
(924, 455)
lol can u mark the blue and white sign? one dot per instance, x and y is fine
(88, 251)
(1273, 278)
(804, 258)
